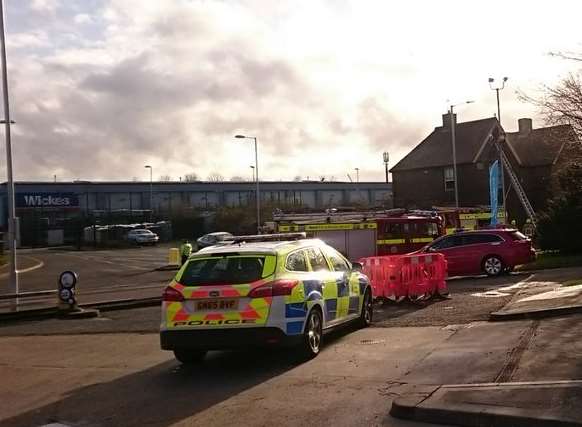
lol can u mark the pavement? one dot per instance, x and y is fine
(532, 404)
(540, 383)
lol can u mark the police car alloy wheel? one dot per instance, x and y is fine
(367, 310)
(188, 356)
(313, 334)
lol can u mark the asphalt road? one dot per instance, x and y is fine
(111, 372)
(471, 299)
(103, 274)
(92, 380)
(131, 273)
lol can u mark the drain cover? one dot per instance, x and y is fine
(370, 342)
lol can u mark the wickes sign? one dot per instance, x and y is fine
(47, 200)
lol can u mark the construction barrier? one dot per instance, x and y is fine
(415, 277)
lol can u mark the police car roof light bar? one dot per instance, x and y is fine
(268, 237)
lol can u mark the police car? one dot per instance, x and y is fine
(262, 290)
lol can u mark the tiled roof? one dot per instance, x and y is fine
(542, 146)
(436, 149)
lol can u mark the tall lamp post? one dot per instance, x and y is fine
(12, 221)
(497, 88)
(454, 145)
(386, 157)
(253, 172)
(258, 197)
(151, 192)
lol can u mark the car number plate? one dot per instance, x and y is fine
(217, 304)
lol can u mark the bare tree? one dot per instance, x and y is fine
(297, 178)
(215, 177)
(190, 177)
(561, 104)
(165, 178)
(237, 178)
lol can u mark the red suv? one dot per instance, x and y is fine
(485, 251)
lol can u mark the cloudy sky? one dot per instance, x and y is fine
(100, 88)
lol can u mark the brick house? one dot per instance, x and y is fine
(424, 177)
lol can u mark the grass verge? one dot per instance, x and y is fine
(576, 282)
(552, 260)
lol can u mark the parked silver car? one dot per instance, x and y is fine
(142, 237)
(212, 239)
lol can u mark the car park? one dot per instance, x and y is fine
(142, 237)
(212, 239)
(259, 293)
(491, 252)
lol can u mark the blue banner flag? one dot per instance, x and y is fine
(494, 189)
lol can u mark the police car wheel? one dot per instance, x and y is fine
(313, 334)
(188, 356)
(367, 310)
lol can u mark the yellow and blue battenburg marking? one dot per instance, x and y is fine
(298, 304)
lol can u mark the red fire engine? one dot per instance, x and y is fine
(360, 234)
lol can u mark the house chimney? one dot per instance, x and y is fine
(525, 126)
(447, 120)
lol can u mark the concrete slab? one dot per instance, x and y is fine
(542, 299)
(554, 353)
(544, 404)
(542, 294)
(475, 353)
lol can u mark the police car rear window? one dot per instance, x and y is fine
(223, 270)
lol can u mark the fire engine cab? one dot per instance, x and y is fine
(358, 234)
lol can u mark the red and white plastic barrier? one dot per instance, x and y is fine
(395, 277)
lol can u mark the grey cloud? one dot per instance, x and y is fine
(122, 114)
(384, 129)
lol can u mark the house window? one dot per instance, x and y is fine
(449, 179)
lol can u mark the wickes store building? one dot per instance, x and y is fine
(53, 213)
(46, 219)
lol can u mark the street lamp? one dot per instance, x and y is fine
(386, 157)
(453, 143)
(12, 221)
(357, 175)
(151, 192)
(253, 172)
(497, 88)
(256, 179)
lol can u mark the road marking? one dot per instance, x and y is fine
(504, 291)
(39, 264)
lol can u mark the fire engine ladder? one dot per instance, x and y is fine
(518, 188)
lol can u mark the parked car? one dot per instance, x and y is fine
(212, 239)
(260, 294)
(142, 237)
(492, 252)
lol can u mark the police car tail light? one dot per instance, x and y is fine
(283, 287)
(171, 294)
(261, 291)
(274, 289)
